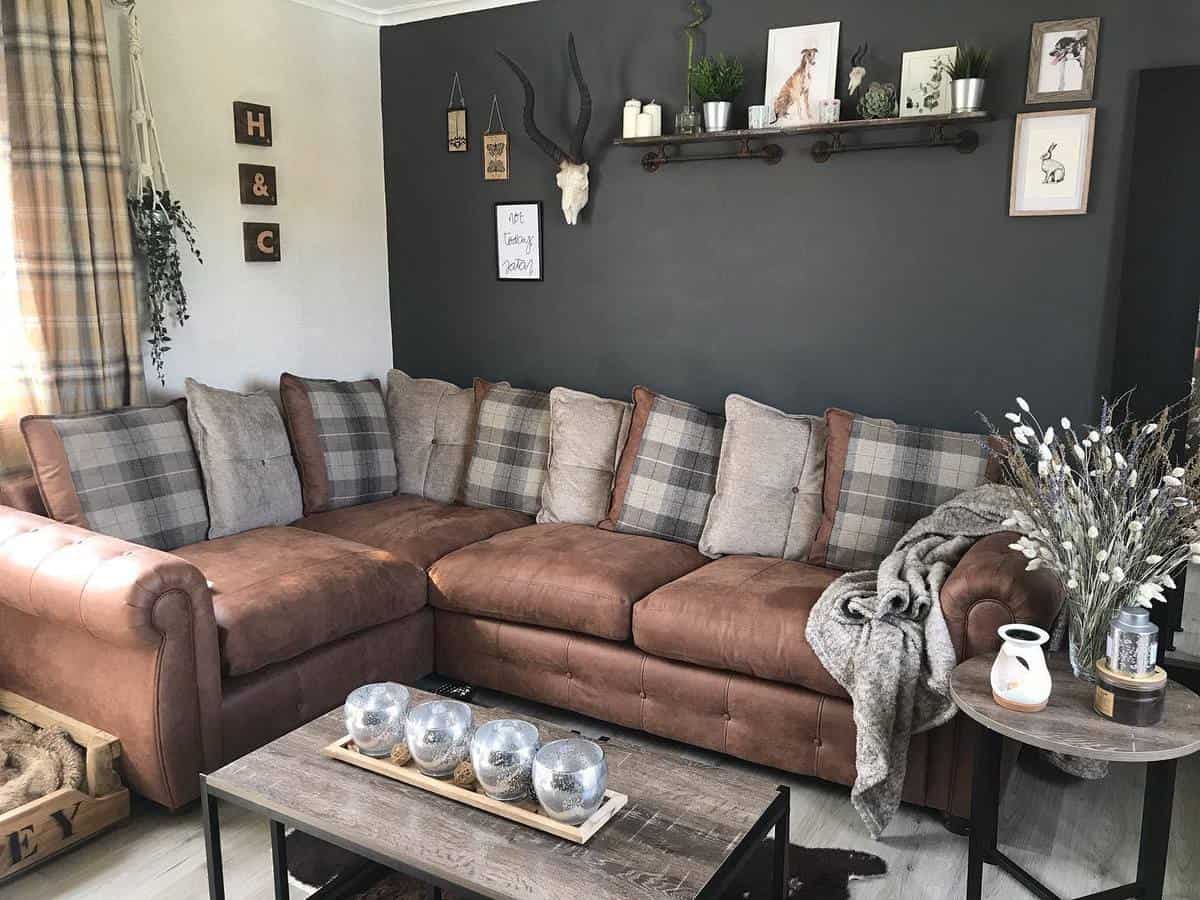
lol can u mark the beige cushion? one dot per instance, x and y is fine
(586, 436)
(768, 499)
(433, 431)
(250, 478)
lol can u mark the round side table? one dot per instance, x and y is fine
(1068, 725)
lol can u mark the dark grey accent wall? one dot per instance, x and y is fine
(892, 283)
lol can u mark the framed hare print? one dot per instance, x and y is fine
(1052, 162)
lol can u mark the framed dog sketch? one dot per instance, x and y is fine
(925, 82)
(1052, 162)
(1062, 60)
(801, 72)
(519, 241)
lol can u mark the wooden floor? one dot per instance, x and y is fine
(1078, 837)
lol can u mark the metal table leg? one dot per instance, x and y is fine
(985, 808)
(279, 859)
(212, 842)
(783, 839)
(1157, 805)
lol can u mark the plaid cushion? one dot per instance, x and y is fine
(512, 450)
(674, 473)
(352, 428)
(137, 475)
(894, 476)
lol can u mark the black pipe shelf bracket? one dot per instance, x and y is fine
(943, 131)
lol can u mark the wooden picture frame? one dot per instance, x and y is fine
(1074, 64)
(1034, 189)
(260, 241)
(495, 156)
(257, 185)
(457, 140)
(519, 243)
(252, 124)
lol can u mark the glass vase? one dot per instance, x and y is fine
(687, 120)
(1087, 647)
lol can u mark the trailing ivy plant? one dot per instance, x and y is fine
(156, 218)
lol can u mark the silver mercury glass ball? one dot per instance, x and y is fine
(439, 736)
(502, 754)
(569, 778)
(374, 716)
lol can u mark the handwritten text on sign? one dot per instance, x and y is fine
(519, 241)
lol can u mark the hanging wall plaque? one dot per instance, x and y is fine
(495, 147)
(456, 119)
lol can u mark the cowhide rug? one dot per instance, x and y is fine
(816, 874)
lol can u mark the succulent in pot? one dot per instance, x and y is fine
(968, 77)
(717, 81)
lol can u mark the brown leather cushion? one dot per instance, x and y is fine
(572, 577)
(412, 529)
(21, 492)
(280, 592)
(740, 614)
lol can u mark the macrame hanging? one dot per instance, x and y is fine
(156, 216)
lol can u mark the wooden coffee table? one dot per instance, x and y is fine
(686, 831)
(1068, 725)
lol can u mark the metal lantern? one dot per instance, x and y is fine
(1132, 642)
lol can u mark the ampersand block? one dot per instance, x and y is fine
(257, 184)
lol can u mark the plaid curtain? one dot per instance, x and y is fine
(69, 332)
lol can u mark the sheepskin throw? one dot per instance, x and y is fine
(35, 762)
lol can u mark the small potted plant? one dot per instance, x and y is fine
(968, 75)
(717, 81)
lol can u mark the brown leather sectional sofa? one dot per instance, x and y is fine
(197, 656)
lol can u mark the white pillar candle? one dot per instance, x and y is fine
(655, 112)
(629, 120)
(645, 125)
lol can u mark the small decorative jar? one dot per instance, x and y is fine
(439, 736)
(502, 753)
(569, 778)
(1132, 642)
(374, 716)
(687, 121)
(1130, 699)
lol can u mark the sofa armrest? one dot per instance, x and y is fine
(118, 635)
(990, 587)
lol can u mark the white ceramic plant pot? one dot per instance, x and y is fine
(967, 94)
(716, 115)
(1020, 679)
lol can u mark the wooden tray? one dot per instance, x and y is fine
(528, 813)
(42, 828)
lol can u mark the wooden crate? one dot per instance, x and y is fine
(33, 833)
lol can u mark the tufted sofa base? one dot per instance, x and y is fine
(780, 725)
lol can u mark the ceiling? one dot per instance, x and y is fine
(397, 12)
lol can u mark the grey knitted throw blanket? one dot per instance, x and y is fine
(883, 638)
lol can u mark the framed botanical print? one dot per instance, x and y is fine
(925, 82)
(1052, 162)
(1062, 60)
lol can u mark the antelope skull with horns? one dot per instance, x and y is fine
(572, 175)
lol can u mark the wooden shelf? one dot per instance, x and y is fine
(963, 139)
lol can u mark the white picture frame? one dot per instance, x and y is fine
(519, 241)
(1052, 162)
(925, 82)
(801, 72)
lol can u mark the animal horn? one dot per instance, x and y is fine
(585, 104)
(548, 146)
(859, 55)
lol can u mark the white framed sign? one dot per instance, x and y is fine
(519, 241)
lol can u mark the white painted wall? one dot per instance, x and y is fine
(323, 311)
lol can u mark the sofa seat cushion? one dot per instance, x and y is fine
(741, 614)
(415, 530)
(571, 577)
(280, 592)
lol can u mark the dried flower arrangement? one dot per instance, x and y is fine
(1105, 509)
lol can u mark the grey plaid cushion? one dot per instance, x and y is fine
(352, 427)
(137, 475)
(894, 476)
(674, 473)
(512, 450)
